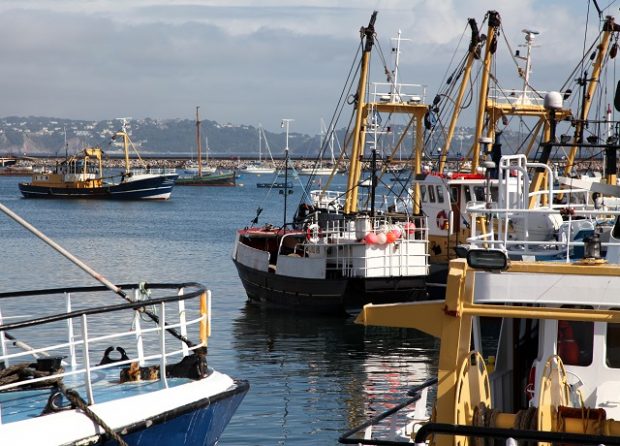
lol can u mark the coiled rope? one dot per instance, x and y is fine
(79, 402)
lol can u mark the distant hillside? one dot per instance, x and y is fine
(39, 136)
(46, 136)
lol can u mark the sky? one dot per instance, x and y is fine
(252, 61)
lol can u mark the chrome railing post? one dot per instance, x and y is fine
(70, 333)
(3, 343)
(183, 322)
(162, 341)
(89, 383)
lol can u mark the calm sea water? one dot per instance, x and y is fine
(312, 378)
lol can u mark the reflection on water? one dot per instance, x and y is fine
(324, 375)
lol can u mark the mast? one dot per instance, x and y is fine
(396, 93)
(123, 133)
(608, 29)
(474, 53)
(285, 123)
(198, 147)
(355, 169)
(260, 143)
(494, 24)
(529, 43)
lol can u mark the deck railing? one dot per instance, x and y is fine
(75, 331)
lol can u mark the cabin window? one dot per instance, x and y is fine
(615, 232)
(454, 194)
(468, 195)
(423, 193)
(431, 194)
(494, 194)
(439, 194)
(575, 340)
(479, 193)
(612, 356)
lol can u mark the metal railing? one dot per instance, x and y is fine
(89, 328)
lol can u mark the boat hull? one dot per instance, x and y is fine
(225, 180)
(154, 188)
(199, 424)
(190, 414)
(336, 296)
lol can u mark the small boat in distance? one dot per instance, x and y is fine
(83, 176)
(210, 179)
(205, 175)
(276, 185)
(261, 167)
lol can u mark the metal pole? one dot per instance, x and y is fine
(285, 123)
(62, 251)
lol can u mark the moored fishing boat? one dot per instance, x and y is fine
(205, 175)
(110, 365)
(83, 176)
(543, 281)
(336, 255)
(216, 178)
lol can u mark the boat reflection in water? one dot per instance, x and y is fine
(330, 373)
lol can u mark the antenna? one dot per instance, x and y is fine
(530, 35)
(396, 51)
(64, 128)
(285, 123)
(124, 122)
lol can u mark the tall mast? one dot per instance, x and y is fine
(494, 23)
(473, 53)
(608, 29)
(125, 137)
(198, 147)
(260, 143)
(285, 123)
(355, 168)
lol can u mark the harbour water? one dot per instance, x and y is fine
(312, 378)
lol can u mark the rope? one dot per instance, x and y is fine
(24, 371)
(77, 400)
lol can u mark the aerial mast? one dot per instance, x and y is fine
(198, 145)
(285, 123)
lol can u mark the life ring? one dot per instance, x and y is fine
(313, 233)
(442, 220)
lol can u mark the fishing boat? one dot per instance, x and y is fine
(110, 364)
(335, 255)
(444, 192)
(550, 373)
(205, 175)
(529, 325)
(226, 179)
(83, 176)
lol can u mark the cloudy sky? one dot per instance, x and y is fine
(247, 61)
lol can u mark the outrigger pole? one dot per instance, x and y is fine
(83, 266)
(355, 170)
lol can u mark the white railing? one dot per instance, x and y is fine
(384, 92)
(88, 331)
(511, 225)
(517, 97)
(337, 241)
